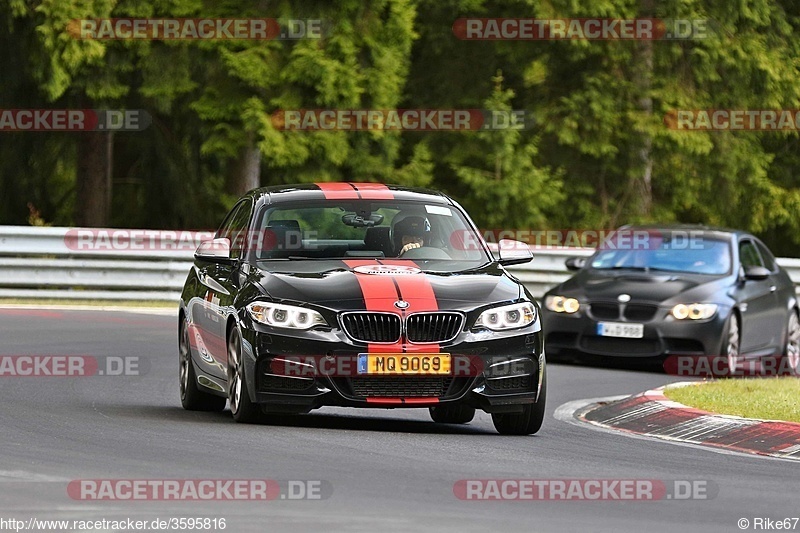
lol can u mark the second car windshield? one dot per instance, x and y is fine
(325, 229)
(706, 256)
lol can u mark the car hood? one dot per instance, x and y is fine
(358, 285)
(652, 287)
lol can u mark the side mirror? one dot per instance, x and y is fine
(756, 273)
(511, 252)
(575, 263)
(215, 250)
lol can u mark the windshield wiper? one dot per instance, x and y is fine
(640, 268)
(619, 267)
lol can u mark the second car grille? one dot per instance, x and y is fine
(603, 310)
(634, 312)
(420, 327)
(640, 312)
(372, 327)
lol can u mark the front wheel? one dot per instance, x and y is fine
(528, 422)
(732, 343)
(192, 398)
(791, 349)
(242, 407)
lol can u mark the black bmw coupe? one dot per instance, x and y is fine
(359, 295)
(678, 291)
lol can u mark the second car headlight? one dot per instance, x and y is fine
(693, 311)
(285, 316)
(562, 304)
(507, 317)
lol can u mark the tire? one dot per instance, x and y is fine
(528, 422)
(452, 414)
(192, 398)
(242, 407)
(731, 344)
(791, 347)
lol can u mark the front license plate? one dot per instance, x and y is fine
(620, 329)
(404, 363)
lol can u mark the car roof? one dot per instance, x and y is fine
(346, 191)
(709, 231)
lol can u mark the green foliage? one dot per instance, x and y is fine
(599, 153)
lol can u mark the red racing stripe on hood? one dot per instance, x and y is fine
(417, 290)
(379, 293)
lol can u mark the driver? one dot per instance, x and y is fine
(411, 232)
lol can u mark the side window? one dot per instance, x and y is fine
(748, 254)
(766, 255)
(225, 228)
(234, 227)
(237, 231)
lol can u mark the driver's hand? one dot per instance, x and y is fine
(409, 246)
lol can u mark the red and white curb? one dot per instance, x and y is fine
(652, 414)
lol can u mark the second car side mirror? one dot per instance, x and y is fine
(756, 273)
(575, 263)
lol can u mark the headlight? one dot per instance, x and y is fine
(562, 304)
(694, 311)
(285, 316)
(507, 317)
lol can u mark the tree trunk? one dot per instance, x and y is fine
(245, 172)
(644, 68)
(93, 205)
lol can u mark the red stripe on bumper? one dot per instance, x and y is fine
(420, 400)
(385, 401)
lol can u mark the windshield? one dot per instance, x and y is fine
(435, 236)
(704, 257)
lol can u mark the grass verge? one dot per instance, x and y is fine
(767, 398)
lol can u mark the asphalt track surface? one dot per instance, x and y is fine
(389, 470)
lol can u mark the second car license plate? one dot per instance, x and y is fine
(404, 363)
(620, 329)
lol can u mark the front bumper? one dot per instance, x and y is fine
(497, 372)
(663, 335)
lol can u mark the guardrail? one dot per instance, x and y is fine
(82, 263)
